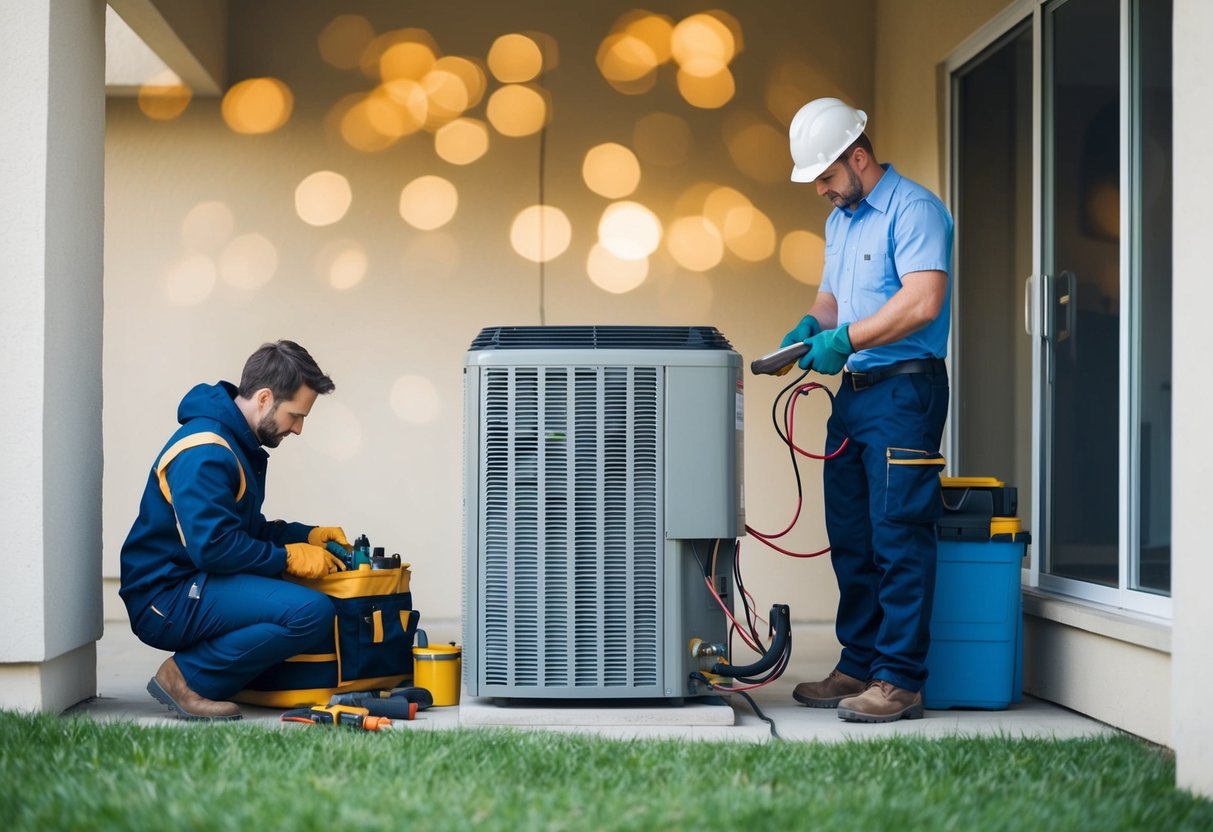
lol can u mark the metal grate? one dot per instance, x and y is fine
(571, 530)
(600, 338)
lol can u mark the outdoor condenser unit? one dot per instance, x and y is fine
(602, 465)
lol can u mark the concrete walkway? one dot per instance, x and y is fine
(124, 666)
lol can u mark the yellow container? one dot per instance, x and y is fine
(438, 670)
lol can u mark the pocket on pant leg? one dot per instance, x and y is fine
(155, 627)
(912, 485)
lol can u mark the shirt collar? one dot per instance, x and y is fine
(883, 192)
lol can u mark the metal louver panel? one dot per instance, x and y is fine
(571, 532)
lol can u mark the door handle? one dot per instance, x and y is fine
(1029, 305)
(1063, 302)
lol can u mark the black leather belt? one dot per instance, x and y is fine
(862, 381)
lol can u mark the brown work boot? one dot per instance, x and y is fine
(829, 691)
(881, 702)
(168, 687)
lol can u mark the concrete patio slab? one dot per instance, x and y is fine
(124, 666)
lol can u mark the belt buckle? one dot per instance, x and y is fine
(859, 381)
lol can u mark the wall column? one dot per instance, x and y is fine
(1192, 670)
(52, 60)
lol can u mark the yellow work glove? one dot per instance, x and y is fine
(323, 534)
(304, 560)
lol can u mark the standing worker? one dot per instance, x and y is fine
(881, 317)
(202, 567)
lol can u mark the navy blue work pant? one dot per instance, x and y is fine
(881, 503)
(236, 627)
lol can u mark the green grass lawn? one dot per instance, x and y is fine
(73, 773)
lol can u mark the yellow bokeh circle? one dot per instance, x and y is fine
(257, 105)
(428, 202)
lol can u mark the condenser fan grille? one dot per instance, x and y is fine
(571, 529)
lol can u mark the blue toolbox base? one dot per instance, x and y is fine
(976, 655)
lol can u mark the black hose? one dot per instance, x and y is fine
(781, 622)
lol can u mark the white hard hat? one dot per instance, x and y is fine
(820, 132)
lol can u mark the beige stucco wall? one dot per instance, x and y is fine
(912, 42)
(52, 58)
(395, 472)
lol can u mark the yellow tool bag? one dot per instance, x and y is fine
(371, 647)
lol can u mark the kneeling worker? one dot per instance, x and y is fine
(202, 568)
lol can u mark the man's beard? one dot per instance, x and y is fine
(267, 430)
(853, 192)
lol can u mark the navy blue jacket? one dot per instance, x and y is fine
(206, 529)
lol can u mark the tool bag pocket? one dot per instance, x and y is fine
(370, 648)
(912, 485)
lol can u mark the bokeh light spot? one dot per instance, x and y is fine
(720, 202)
(662, 139)
(749, 234)
(793, 82)
(408, 59)
(760, 151)
(207, 226)
(469, 72)
(625, 58)
(343, 40)
(357, 118)
(654, 30)
(629, 230)
(428, 202)
(348, 268)
(257, 105)
(322, 198)
(540, 233)
(248, 262)
(447, 94)
(611, 170)
(612, 274)
(695, 243)
(190, 280)
(707, 92)
(164, 97)
(370, 61)
(802, 254)
(517, 110)
(462, 141)
(414, 399)
(342, 264)
(515, 58)
(702, 39)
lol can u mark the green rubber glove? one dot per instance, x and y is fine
(806, 329)
(304, 560)
(828, 351)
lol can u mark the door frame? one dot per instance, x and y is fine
(1128, 465)
(982, 39)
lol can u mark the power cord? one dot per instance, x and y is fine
(699, 677)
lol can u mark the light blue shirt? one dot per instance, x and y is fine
(899, 228)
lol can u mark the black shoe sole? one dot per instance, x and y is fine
(821, 703)
(161, 695)
(912, 712)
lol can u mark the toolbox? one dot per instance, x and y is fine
(978, 508)
(976, 654)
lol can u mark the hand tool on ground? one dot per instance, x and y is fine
(402, 703)
(338, 715)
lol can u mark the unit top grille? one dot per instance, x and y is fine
(600, 338)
